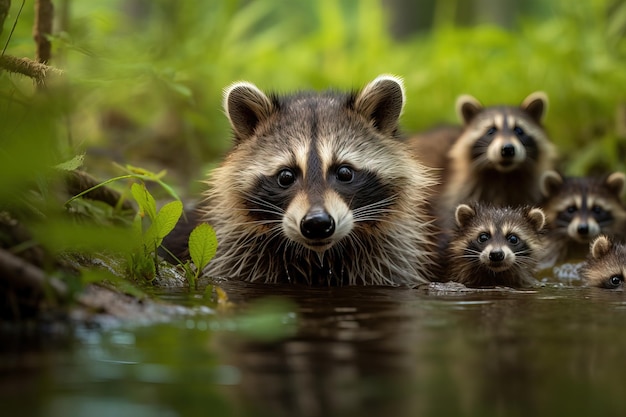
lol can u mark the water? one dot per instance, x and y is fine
(557, 350)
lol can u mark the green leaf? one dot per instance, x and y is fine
(73, 164)
(163, 223)
(202, 245)
(168, 217)
(146, 202)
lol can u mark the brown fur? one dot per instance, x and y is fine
(495, 246)
(578, 209)
(320, 189)
(431, 148)
(606, 264)
(492, 160)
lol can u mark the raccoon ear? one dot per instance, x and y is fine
(600, 247)
(550, 182)
(381, 101)
(467, 107)
(536, 217)
(463, 214)
(616, 183)
(536, 105)
(246, 106)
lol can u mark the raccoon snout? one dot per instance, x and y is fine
(496, 255)
(508, 150)
(317, 224)
(583, 229)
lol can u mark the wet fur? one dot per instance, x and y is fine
(388, 240)
(468, 257)
(605, 266)
(578, 209)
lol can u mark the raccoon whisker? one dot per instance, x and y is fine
(377, 204)
(480, 162)
(276, 223)
(254, 199)
(358, 214)
(276, 213)
(259, 210)
(471, 252)
(367, 210)
(373, 219)
(471, 255)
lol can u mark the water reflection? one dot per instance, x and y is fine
(356, 351)
(377, 352)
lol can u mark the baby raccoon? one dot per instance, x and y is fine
(606, 264)
(578, 210)
(497, 157)
(319, 189)
(495, 246)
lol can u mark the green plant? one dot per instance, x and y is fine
(144, 260)
(202, 248)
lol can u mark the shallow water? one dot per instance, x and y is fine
(557, 350)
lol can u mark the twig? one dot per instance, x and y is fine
(28, 67)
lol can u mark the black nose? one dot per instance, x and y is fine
(508, 151)
(496, 255)
(583, 229)
(317, 224)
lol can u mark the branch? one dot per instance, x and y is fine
(28, 67)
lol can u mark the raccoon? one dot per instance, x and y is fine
(495, 246)
(319, 189)
(578, 209)
(496, 158)
(605, 266)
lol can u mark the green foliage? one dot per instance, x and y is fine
(144, 259)
(182, 57)
(202, 248)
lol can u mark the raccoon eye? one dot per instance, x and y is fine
(483, 237)
(285, 178)
(512, 239)
(518, 131)
(615, 281)
(571, 209)
(491, 130)
(597, 209)
(345, 173)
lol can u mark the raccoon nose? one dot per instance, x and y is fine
(583, 229)
(317, 225)
(496, 255)
(508, 151)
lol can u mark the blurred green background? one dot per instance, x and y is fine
(145, 77)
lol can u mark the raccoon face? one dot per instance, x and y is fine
(583, 208)
(318, 167)
(499, 238)
(503, 138)
(606, 264)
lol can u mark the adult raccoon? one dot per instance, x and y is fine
(319, 189)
